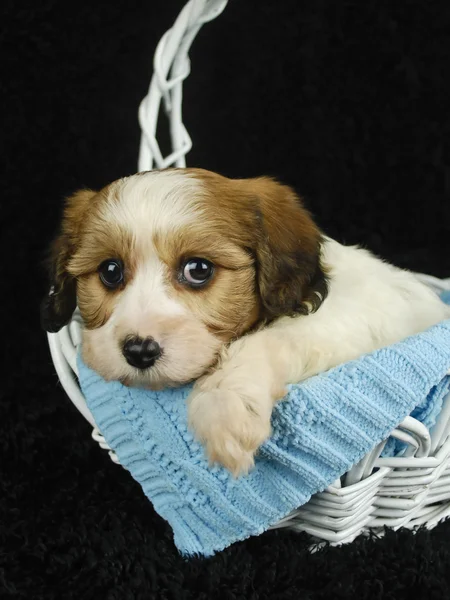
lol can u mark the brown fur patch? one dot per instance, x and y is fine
(58, 307)
(228, 304)
(96, 302)
(99, 240)
(265, 248)
(269, 220)
(85, 241)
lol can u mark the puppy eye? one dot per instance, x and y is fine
(111, 272)
(197, 271)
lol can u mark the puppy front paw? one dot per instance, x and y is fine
(231, 425)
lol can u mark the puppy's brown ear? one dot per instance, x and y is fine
(58, 306)
(290, 275)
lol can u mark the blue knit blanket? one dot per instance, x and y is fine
(323, 427)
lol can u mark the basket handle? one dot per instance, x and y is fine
(171, 66)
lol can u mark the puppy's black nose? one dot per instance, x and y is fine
(140, 353)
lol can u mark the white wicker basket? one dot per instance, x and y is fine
(406, 491)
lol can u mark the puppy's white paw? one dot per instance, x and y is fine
(232, 425)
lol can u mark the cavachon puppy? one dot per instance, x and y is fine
(183, 275)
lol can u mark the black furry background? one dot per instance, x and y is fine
(349, 102)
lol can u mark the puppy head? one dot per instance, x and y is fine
(167, 266)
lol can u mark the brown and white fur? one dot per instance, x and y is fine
(284, 302)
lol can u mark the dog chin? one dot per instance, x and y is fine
(134, 382)
(154, 384)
